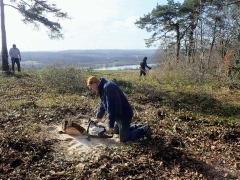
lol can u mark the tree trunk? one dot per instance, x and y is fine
(5, 66)
(212, 44)
(178, 41)
(201, 39)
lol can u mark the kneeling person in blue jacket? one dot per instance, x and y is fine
(119, 111)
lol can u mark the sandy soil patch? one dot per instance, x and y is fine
(81, 146)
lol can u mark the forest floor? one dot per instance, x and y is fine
(194, 136)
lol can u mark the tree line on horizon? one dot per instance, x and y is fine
(86, 58)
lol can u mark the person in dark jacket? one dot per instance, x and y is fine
(119, 111)
(143, 66)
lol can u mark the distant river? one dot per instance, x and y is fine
(123, 67)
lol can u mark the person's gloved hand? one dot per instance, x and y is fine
(109, 131)
(20, 59)
(97, 120)
(150, 68)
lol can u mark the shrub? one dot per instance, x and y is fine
(64, 78)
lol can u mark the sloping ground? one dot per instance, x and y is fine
(197, 154)
(182, 146)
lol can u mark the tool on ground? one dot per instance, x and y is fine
(96, 130)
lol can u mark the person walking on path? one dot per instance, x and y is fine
(143, 66)
(15, 55)
(119, 111)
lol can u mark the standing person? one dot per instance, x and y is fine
(15, 55)
(143, 66)
(119, 111)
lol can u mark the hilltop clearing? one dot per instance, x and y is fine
(195, 134)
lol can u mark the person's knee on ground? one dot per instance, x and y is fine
(136, 131)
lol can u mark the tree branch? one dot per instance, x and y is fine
(11, 6)
(47, 7)
(233, 2)
(26, 3)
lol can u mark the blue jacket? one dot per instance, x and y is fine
(114, 102)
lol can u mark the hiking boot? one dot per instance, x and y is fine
(148, 133)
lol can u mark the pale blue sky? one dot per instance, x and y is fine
(95, 24)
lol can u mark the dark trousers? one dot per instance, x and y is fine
(128, 132)
(142, 72)
(16, 60)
